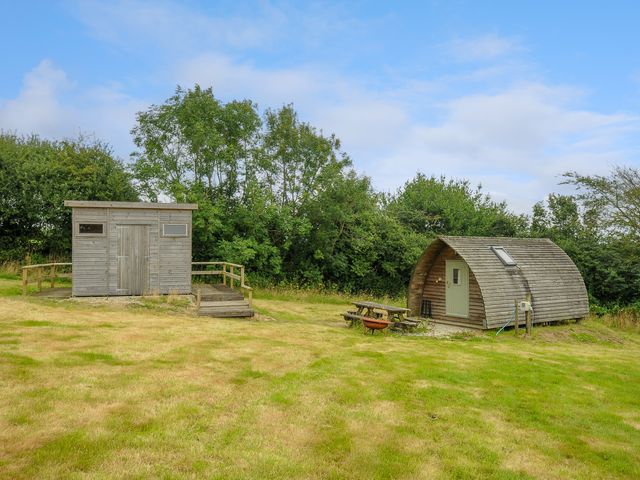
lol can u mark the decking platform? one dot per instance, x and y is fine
(58, 292)
(215, 300)
(221, 301)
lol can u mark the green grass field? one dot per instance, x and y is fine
(151, 391)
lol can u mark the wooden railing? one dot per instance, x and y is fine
(43, 272)
(230, 272)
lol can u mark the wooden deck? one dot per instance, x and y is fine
(58, 292)
(215, 300)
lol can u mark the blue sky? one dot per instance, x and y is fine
(506, 94)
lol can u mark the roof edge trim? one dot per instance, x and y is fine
(130, 205)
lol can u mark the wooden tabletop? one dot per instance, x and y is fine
(388, 308)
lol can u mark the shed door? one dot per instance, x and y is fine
(457, 294)
(133, 259)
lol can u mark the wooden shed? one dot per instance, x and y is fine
(130, 248)
(475, 281)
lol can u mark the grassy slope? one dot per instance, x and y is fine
(97, 392)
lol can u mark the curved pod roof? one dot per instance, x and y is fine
(543, 269)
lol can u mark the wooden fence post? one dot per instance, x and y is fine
(25, 280)
(53, 275)
(527, 315)
(224, 274)
(39, 270)
(516, 319)
(198, 297)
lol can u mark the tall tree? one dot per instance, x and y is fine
(617, 196)
(193, 139)
(297, 159)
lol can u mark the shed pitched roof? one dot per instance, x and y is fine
(143, 205)
(543, 269)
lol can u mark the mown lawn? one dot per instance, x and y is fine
(154, 392)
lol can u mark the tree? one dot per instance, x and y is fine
(617, 196)
(195, 141)
(36, 176)
(437, 206)
(297, 159)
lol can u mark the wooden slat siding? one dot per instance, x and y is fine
(420, 272)
(175, 268)
(554, 281)
(95, 265)
(436, 292)
(89, 255)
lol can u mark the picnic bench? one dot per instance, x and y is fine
(376, 316)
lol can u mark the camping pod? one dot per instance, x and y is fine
(477, 281)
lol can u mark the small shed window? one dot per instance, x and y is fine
(174, 229)
(90, 228)
(504, 256)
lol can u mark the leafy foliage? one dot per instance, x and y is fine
(616, 198)
(36, 176)
(282, 198)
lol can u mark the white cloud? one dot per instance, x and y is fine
(480, 121)
(171, 26)
(516, 143)
(51, 106)
(37, 108)
(485, 47)
(270, 87)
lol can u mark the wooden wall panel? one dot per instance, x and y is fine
(89, 254)
(434, 290)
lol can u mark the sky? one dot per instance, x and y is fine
(506, 94)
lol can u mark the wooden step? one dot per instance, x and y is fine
(227, 313)
(235, 308)
(221, 296)
(230, 312)
(223, 302)
(229, 303)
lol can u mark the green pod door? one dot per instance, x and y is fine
(457, 288)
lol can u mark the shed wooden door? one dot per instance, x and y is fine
(133, 259)
(457, 288)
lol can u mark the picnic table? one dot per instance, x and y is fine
(371, 313)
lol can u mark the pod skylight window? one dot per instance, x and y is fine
(506, 259)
